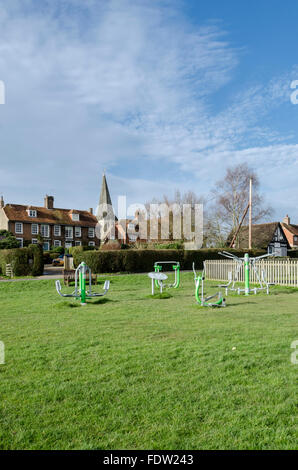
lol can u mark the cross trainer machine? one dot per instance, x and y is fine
(80, 285)
(199, 292)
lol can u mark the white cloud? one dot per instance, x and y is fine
(97, 84)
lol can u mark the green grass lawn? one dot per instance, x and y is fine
(132, 372)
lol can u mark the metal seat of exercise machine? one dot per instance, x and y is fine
(158, 276)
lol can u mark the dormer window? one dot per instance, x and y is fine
(75, 217)
(32, 213)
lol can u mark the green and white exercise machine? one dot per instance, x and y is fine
(158, 278)
(175, 266)
(250, 264)
(80, 291)
(201, 299)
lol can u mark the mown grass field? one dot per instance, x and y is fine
(132, 372)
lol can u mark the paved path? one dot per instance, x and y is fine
(50, 272)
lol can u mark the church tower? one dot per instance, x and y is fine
(105, 197)
(105, 212)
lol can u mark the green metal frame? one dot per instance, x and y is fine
(175, 267)
(80, 292)
(249, 263)
(199, 292)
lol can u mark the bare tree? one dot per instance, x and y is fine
(215, 234)
(231, 198)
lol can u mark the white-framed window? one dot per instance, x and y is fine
(75, 217)
(34, 241)
(131, 226)
(69, 232)
(78, 232)
(68, 244)
(295, 238)
(34, 229)
(32, 213)
(46, 246)
(57, 242)
(57, 230)
(91, 233)
(19, 227)
(20, 240)
(78, 243)
(91, 244)
(45, 230)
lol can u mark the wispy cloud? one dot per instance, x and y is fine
(109, 84)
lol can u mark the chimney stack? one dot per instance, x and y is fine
(286, 220)
(91, 210)
(1, 202)
(49, 202)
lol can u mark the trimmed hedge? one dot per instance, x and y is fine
(76, 249)
(24, 261)
(48, 256)
(36, 260)
(137, 261)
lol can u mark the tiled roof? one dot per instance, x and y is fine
(291, 228)
(17, 212)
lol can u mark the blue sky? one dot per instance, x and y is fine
(162, 94)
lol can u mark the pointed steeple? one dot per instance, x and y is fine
(105, 197)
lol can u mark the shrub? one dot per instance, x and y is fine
(36, 259)
(75, 249)
(57, 249)
(24, 261)
(7, 240)
(125, 246)
(48, 256)
(143, 260)
(178, 245)
(19, 260)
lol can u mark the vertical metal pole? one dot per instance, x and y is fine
(250, 214)
(246, 273)
(203, 300)
(83, 284)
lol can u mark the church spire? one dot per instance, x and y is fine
(105, 197)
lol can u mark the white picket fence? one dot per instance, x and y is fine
(282, 272)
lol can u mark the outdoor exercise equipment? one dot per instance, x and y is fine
(249, 263)
(158, 278)
(199, 292)
(176, 268)
(80, 285)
